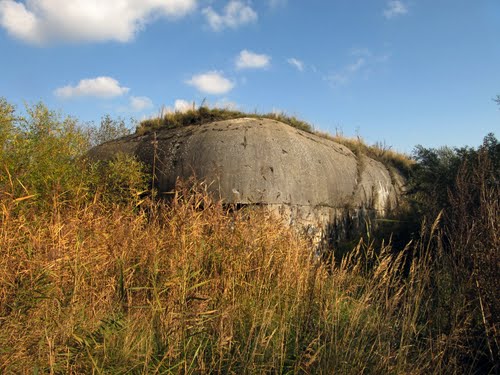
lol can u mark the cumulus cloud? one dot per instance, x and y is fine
(250, 60)
(235, 14)
(212, 82)
(395, 8)
(180, 106)
(299, 65)
(45, 21)
(100, 87)
(140, 103)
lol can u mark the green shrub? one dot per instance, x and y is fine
(435, 173)
(41, 154)
(122, 179)
(43, 159)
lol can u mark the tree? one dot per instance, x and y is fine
(108, 130)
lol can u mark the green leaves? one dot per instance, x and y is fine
(42, 156)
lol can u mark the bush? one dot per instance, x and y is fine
(435, 174)
(43, 160)
(122, 180)
(41, 155)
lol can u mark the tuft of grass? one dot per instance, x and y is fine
(204, 115)
(378, 151)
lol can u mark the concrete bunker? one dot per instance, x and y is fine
(308, 180)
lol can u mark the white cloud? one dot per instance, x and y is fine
(395, 8)
(140, 103)
(299, 65)
(236, 13)
(212, 82)
(361, 52)
(44, 21)
(250, 60)
(226, 104)
(101, 87)
(182, 105)
(338, 79)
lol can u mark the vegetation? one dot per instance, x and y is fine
(204, 115)
(42, 160)
(97, 278)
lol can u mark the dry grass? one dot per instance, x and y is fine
(205, 115)
(378, 151)
(191, 287)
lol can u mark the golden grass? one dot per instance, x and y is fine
(190, 287)
(379, 152)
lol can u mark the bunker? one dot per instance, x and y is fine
(308, 180)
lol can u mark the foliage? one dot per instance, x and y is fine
(43, 159)
(122, 179)
(434, 176)
(40, 154)
(464, 184)
(6, 126)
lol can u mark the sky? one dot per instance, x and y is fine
(397, 72)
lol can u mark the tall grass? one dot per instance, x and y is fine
(191, 287)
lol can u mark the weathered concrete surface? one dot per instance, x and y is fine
(306, 178)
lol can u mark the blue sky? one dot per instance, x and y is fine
(403, 72)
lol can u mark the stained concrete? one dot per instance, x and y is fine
(306, 178)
